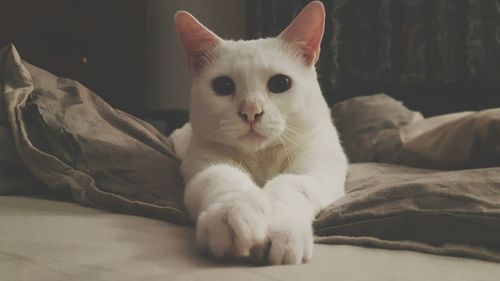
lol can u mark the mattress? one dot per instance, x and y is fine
(42, 239)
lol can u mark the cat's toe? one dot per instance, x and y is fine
(248, 229)
(214, 235)
(308, 247)
(285, 249)
(291, 242)
(292, 257)
(231, 230)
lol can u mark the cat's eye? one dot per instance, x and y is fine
(279, 83)
(223, 86)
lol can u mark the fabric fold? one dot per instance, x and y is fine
(72, 141)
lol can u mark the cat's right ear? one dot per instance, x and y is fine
(196, 39)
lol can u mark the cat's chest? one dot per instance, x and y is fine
(265, 165)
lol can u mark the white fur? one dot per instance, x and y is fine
(245, 193)
(180, 140)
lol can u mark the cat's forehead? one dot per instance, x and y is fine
(259, 54)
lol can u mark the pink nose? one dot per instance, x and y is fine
(250, 112)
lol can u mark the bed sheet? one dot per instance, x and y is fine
(42, 239)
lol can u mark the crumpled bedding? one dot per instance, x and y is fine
(62, 139)
(74, 142)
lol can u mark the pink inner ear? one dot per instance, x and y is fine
(196, 39)
(306, 31)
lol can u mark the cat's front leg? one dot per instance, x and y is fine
(232, 213)
(315, 179)
(290, 230)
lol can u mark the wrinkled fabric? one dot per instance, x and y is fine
(397, 207)
(74, 142)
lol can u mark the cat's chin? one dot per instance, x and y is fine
(252, 141)
(253, 136)
(251, 144)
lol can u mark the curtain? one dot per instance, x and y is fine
(388, 45)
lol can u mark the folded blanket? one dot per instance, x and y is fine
(72, 142)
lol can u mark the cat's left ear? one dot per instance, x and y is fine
(306, 31)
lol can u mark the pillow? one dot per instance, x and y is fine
(380, 129)
(359, 119)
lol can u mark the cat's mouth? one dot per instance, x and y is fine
(252, 135)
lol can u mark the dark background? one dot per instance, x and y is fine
(437, 56)
(99, 43)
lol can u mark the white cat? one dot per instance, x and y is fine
(263, 156)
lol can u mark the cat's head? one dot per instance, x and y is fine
(251, 94)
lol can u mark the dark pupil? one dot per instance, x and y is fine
(223, 85)
(279, 83)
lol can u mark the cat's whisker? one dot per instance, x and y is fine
(291, 144)
(290, 132)
(289, 137)
(226, 122)
(286, 152)
(295, 129)
(274, 122)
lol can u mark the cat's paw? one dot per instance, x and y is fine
(234, 227)
(291, 239)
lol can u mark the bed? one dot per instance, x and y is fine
(95, 193)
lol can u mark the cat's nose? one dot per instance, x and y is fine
(250, 112)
